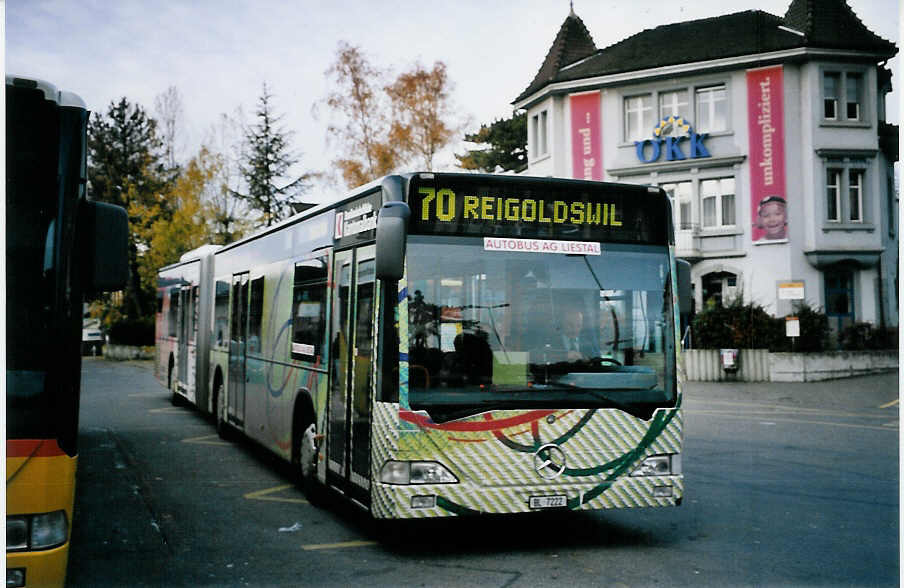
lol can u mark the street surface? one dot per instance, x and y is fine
(785, 485)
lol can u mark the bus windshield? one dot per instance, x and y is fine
(503, 329)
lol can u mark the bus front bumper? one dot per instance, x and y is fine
(390, 501)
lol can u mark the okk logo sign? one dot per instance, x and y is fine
(669, 136)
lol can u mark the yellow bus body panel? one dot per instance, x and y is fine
(37, 485)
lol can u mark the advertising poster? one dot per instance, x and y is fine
(586, 137)
(765, 111)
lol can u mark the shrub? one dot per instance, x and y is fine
(736, 326)
(133, 331)
(814, 331)
(864, 336)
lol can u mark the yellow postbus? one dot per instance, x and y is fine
(59, 247)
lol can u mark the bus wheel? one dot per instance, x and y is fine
(220, 399)
(307, 455)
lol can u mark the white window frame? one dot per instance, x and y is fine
(644, 115)
(540, 134)
(846, 182)
(855, 204)
(709, 106)
(681, 195)
(719, 201)
(841, 102)
(677, 106)
(833, 193)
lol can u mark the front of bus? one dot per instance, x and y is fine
(536, 335)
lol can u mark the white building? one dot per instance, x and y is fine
(729, 111)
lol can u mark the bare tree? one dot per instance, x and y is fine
(170, 119)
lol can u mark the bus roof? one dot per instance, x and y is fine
(61, 97)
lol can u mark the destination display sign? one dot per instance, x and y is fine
(537, 208)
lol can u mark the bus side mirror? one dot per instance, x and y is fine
(684, 286)
(392, 233)
(104, 230)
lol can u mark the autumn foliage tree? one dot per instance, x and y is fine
(189, 227)
(421, 112)
(361, 128)
(380, 125)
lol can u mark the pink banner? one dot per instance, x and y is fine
(586, 137)
(766, 126)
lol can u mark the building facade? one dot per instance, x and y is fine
(769, 137)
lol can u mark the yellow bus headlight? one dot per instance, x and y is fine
(36, 532)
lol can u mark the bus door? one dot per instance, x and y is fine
(351, 371)
(184, 319)
(238, 348)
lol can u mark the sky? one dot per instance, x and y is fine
(219, 53)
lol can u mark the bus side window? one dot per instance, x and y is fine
(221, 312)
(309, 310)
(173, 318)
(256, 315)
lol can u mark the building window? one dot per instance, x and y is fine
(712, 109)
(638, 117)
(855, 195)
(844, 194)
(842, 96)
(717, 199)
(539, 134)
(833, 195)
(673, 104)
(680, 195)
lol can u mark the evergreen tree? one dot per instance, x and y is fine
(125, 168)
(506, 141)
(267, 160)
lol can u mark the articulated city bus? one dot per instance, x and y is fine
(446, 344)
(59, 246)
(183, 313)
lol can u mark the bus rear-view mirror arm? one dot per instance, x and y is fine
(104, 230)
(392, 233)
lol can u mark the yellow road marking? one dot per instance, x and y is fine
(341, 545)
(890, 404)
(265, 495)
(206, 440)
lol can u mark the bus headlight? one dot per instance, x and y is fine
(36, 532)
(659, 465)
(16, 533)
(49, 530)
(416, 472)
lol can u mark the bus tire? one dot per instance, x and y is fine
(305, 457)
(219, 399)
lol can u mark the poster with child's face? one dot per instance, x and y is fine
(766, 126)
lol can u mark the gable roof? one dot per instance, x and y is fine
(829, 24)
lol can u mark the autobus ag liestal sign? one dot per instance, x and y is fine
(441, 205)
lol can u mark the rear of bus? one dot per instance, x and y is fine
(53, 254)
(504, 404)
